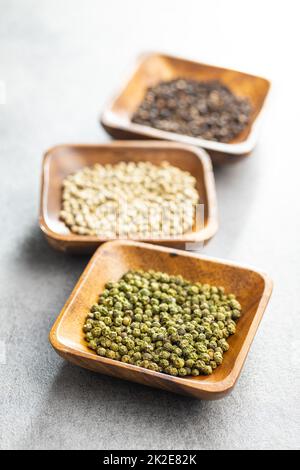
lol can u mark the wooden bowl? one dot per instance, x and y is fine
(153, 68)
(111, 261)
(63, 160)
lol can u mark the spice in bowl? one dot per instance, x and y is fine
(203, 109)
(137, 200)
(163, 323)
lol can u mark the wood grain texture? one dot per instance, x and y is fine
(153, 68)
(63, 160)
(111, 261)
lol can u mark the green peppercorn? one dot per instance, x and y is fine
(172, 371)
(96, 332)
(87, 327)
(201, 348)
(137, 356)
(231, 329)
(163, 323)
(207, 370)
(189, 363)
(224, 345)
(178, 362)
(123, 350)
(182, 372)
(101, 351)
(218, 358)
(236, 314)
(164, 363)
(153, 366)
(114, 347)
(125, 358)
(92, 345)
(164, 354)
(110, 354)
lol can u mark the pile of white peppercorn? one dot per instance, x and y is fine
(131, 199)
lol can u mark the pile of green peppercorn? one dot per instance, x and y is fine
(163, 323)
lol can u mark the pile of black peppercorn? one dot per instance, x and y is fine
(195, 108)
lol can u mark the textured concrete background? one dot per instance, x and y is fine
(60, 61)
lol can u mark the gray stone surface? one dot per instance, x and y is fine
(60, 61)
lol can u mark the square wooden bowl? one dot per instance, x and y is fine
(111, 261)
(63, 160)
(153, 68)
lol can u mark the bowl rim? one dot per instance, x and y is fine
(204, 234)
(108, 120)
(223, 386)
